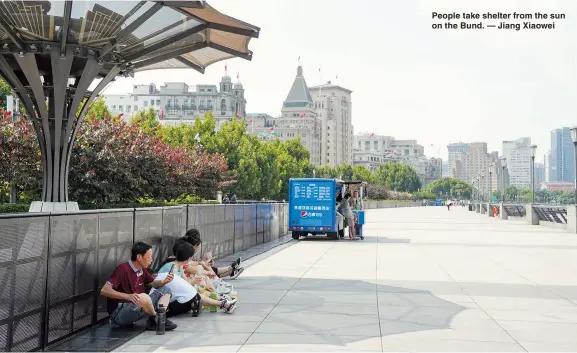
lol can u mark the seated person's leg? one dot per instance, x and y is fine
(160, 297)
(126, 314)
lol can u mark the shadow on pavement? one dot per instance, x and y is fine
(279, 310)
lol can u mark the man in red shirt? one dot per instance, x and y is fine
(126, 292)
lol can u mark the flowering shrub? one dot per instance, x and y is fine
(112, 161)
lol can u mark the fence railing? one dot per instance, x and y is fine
(549, 213)
(515, 210)
(52, 266)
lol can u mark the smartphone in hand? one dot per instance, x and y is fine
(171, 269)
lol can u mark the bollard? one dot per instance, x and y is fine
(503, 212)
(572, 219)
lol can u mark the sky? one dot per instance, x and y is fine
(408, 80)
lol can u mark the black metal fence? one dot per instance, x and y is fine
(515, 210)
(551, 213)
(52, 266)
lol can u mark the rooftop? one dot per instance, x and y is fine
(299, 95)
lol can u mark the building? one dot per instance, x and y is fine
(455, 153)
(433, 170)
(561, 156)
(518, 154)
(177, 102)
(539, 174)
(298, 119)
(370, 151)
(446, 172)
(333, 106)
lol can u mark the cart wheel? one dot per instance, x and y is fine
(296, 235)
(334, 236)
(342, 233)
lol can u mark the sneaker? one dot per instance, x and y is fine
(152, 325)
(229, 306)
(235, 273)
(235, 263)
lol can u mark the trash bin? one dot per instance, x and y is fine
(470, 207)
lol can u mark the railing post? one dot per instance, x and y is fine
(531, 214)
(503, 212)
(572, 219)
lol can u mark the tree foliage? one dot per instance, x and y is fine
(525, 195)
(450, 187)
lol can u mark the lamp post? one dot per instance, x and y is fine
(491, 182)
(483, 186)
(574, 138)
(504, 165)
(479, 190)
(533, 150)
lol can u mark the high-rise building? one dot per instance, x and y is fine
(333, 106)
(562, 156)
(518, 154)
(539, 174)
(458, 164)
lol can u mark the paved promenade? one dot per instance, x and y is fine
(424, 279)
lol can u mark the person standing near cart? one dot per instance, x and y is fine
(349, 215)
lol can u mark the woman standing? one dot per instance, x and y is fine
(349, 216)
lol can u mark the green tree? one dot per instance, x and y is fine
(398, 177)
(361, 173)
(450, 187)
(146, 119)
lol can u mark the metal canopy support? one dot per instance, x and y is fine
(190, 64)
(163, 43)
(170, 55)
(131, 28)
(65, 26)
(6, 28)
(231, 51)
(41, 77)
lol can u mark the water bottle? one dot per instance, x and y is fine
(161, 320)
(213, 308)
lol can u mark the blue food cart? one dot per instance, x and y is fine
(313, 207)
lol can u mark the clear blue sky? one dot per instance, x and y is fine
(409, 81)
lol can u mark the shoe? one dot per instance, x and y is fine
(195, 305)
(229, 306)
(236, 273)
(235, 263)
(152, 324)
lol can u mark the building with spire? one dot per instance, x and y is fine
(298, 119)
(177, 102)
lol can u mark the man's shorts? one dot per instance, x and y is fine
(128, 313)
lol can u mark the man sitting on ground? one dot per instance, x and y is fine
(126, 292)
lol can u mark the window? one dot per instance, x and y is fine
(158, 102)
(121, 108)
(135, 108)
(114, 107)
(146, 103)
(128, 107)
(202, 89)
(136, 98)
(152, 102)
(223, 105)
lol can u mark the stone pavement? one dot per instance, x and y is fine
(424, 279)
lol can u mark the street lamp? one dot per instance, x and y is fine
(491, 182)
(574, 138)
(504, 165)
(533, 150)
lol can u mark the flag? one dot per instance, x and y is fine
(337, 77)
(372, 134)
(250, 121)
(271, 129)
(299, 58)
(225, 67)
(302, 115)
(237, 76)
